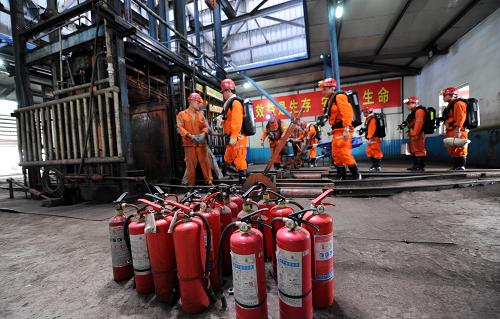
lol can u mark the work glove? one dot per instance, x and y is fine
(347, 130)
(233, 140)
(200, 138)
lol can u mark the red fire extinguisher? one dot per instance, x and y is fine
(248, 267)
(138, 248)
(226, 217)
(281, 210)
(212, 214)
(236, 198)
(322, 252)
(293, 245)
(268, 203)
(120, 256)
(161, 253)
(193, 259)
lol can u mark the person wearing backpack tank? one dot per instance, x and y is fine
(373, 151)
(273, 131)
(416, 134)
(236, 150)
(340, 113)
(454, 116)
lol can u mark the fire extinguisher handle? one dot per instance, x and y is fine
(250, 190)
(120, 199)
(317, 201)
(188, 196)
(250, 215)
(210, 197)
(299, 214)
(182, 207)
(172, 195)
(157, 207)
(259, 222)
(155, 197)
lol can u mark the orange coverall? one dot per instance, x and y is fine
(273, 127)
(309, 132)
(236, 154)
(416, 136)
(194, 124)
(341, 114)
(373, 147)
(455, 124)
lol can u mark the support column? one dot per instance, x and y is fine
(333, 42)
(164, 31)
(197, 24)
(23, 91)
(326, 64)
(152, 21)
(219, 53)
(180, 16)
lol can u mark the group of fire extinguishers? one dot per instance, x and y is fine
(182, 248)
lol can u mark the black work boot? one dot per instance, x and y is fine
(341, 173)
(376, 165)
(355, 173)
(312, 162)
(420, 164)
(415, 164)
(242, 177)
(373, 163)
(460, 163)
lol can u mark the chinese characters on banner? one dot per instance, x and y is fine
(374, 94)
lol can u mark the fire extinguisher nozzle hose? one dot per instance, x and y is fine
(223, 236)
(295, 203)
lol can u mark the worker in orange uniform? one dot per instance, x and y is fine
(273, 131)
(454, 116)
(311, 138)
(193, 128)
(373, 151)
(236, 151)
(416, 135)
(340, 114)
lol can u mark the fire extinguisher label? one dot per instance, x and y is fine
(290, 276)
(140, 258)
(324, 253)
(245, 279)
(119, 252)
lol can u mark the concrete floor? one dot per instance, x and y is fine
(414, 255)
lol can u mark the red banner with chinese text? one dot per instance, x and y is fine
(375, 94)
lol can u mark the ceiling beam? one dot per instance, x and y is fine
(227, 8)
(260, 45)
(250, 16)
(389, 56)
(430, 45)
(393, 27)
(381, 67)
(295, 24)
(257, 7)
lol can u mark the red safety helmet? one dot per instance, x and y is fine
(328, 82)
(367, 109)
(411, 99)
(303, 123)
(453, 91)
(195, 97)
(227, 84)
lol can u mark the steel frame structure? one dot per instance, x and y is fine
(83, 125)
